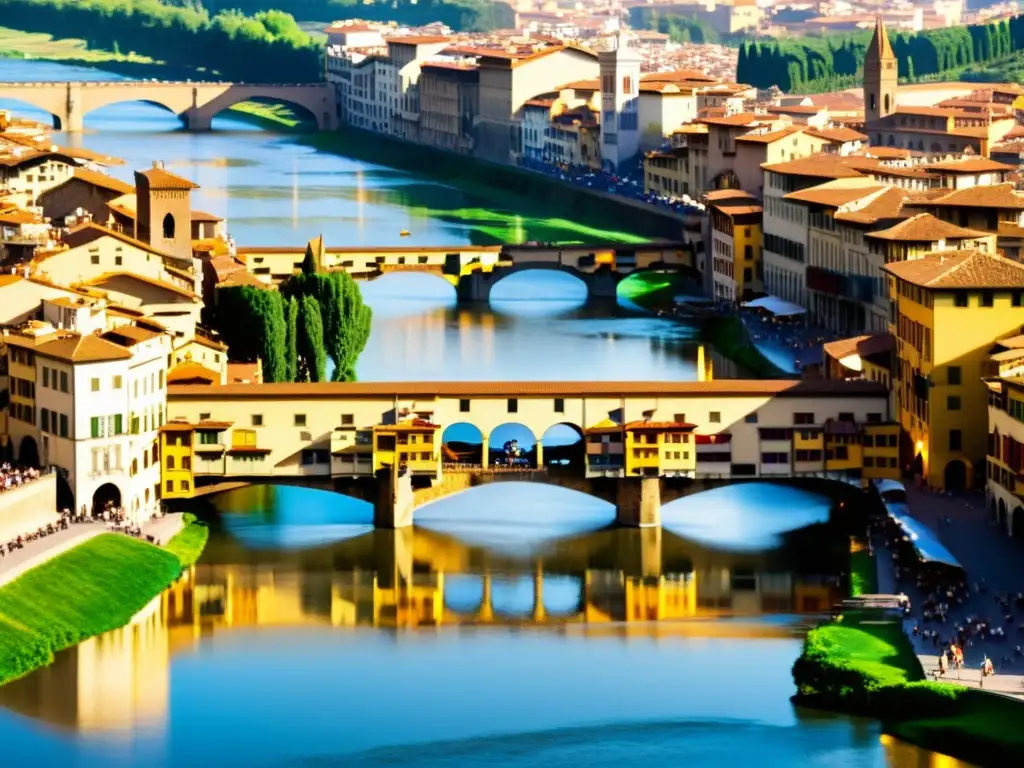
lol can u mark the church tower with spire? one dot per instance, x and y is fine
(880, 76)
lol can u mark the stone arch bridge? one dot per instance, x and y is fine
(195, 103)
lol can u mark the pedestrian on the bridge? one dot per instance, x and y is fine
(942, 665)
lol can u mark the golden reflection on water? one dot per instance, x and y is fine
(397, 581)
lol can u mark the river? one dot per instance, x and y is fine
(305, 637)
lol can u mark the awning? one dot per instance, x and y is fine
(925, 542)
(888, 486)
(775, 305)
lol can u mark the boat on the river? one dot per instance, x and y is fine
(404, 233)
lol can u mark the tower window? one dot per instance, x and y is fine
(168, 227)
(887, 103)
(874, 102)
(627, 85)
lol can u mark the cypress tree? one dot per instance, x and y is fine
(290, 345)
(312, 361)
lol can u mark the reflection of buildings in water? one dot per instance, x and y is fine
(234, 596)
(117, 682)
(476, 336)
(899, 754)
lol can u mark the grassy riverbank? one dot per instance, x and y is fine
(863, 570)
(94, 588)
(16, 44)
(864, 664)
(188, 544)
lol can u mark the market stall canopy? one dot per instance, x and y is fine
(775, 305)
(927, 544)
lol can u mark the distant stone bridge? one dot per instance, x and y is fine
(195, 103)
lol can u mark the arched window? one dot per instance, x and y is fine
(887, 98)
(168, 227)
(873, 102)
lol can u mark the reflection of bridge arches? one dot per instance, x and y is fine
(488, 597)
(195, 103)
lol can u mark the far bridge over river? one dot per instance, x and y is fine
(195, 103)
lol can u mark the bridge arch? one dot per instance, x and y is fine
(512, 444)
(563, 447)
(462, 443)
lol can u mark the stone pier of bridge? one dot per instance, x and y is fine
(637, 500)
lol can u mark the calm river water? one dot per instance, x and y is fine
(512, 626)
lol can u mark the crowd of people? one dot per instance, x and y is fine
(627, 184)
(12, 476)
(804, 342)
(945, 597)
(111, 515)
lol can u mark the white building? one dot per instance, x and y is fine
(99, 401)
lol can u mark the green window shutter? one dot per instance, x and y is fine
(118, 424)
(94, 426)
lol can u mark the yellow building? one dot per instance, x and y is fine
(735, 244)
(948, 309)
(1005, 454)
(881, 451)
(667, 173)
(412, 444)
(660, 448)
(176, 473)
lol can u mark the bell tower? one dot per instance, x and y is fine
(880, 76)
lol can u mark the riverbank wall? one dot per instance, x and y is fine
(498, 182)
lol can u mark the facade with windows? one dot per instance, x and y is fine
(947, 311)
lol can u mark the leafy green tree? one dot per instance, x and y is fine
(291, 354)
(312, 361)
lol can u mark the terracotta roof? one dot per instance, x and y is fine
(8, 279)
(88, 231)
(832, 197)
(204, 216)
(130, 335)
(18, 216)
(170, 287)
(241, 373)
(659, 426)
(717, 195)
(887, 205)
(78, 348)
(176, 426)
(768, 138)
(959, 269)
(160, 178)
(192, 371)
(815, 166)
(103, 181)
(925, 228)
(734, 121)
(417, 39)
(970, 165)
(995, 196)
(864, 346)
(840, 134)
(678, 75)
(581, 85)
(431, 389)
